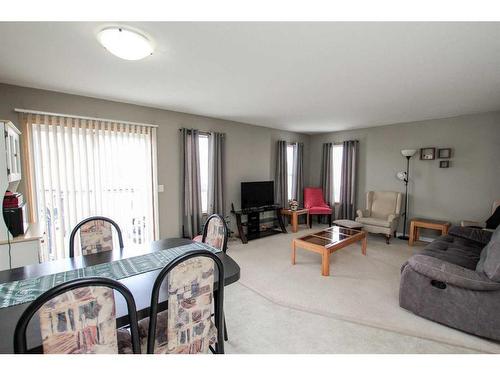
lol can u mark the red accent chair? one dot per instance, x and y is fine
(314, 202)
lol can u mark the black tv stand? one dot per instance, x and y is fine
(253, 227)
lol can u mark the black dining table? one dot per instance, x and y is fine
(140, 286)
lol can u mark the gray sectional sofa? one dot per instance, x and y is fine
(455, 281)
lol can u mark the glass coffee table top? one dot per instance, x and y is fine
(330, 236)
(328, 240)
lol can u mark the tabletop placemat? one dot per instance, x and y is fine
(23, 291)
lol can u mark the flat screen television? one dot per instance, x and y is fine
(257, 194)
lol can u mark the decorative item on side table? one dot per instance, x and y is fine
(405, 177)
(293, 204)
(427, 153)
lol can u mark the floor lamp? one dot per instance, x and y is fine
(405, 176)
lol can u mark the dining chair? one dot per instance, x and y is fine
(215, 232)
(95, 235)
(195, 299)
(79, 317)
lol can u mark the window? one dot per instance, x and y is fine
(84, 168)
(337, 171)
(289, 166)
(203, 153)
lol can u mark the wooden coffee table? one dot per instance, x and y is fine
(416, 224)
(327, 241)
(295, 216)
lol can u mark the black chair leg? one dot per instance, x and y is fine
(225, 330)
(310, 221)
(329, 220)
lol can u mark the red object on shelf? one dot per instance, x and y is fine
(12, 200)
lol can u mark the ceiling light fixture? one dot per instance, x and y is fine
(125, 43)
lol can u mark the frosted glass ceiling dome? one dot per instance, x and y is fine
(125, 43)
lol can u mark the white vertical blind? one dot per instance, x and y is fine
(86, 167)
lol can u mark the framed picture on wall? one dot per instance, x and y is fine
(444, 164)
(444, 153)
(428, 153)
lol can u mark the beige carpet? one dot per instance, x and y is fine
(257, 325)
(360, 289)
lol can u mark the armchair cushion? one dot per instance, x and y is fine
(384, 203)
(374, 221)
(320, 210)
(392, 217)
(449, 273)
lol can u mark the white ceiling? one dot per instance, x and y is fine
(307, 77)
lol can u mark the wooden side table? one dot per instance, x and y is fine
(416, 224)
(295, 216)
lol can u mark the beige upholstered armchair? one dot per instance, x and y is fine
(382, 212)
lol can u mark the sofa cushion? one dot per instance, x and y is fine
(491, 257)
(455, 250)
(374, 221)
(436, 269)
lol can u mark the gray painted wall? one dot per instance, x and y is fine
(250, 149)
(463, 191)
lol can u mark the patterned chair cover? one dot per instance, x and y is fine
(95, 237)
(216, 232)
(187, 326)
(80, 321)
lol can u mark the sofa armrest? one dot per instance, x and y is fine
(452, 274)
(473, 234)
(468, 223)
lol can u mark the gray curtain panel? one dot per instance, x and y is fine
(348, 180)
(280, 175)
(327, 173)
(216, 174)
(191, 189)
(298, 173)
